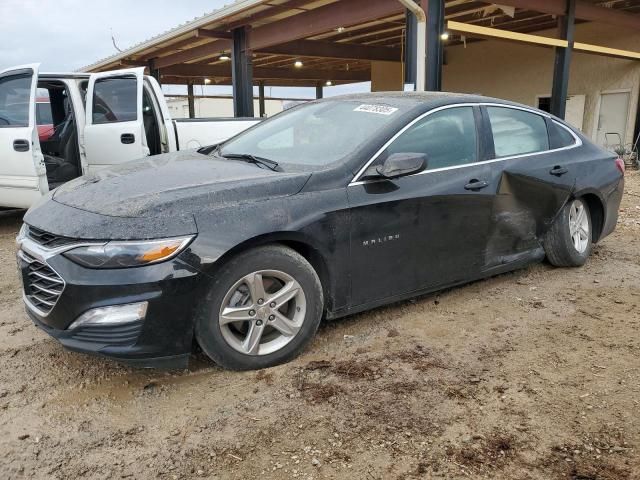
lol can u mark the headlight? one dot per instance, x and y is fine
(129, 253)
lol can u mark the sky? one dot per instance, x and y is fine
(65, 35)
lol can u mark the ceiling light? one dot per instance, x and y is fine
(340, 29)
(207, 81)
(298, 64)
(329, 83)
(445, 36)
(224, 57)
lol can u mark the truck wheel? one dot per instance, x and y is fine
(569, 240)
(262, 309)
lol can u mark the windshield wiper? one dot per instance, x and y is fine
(270, 164)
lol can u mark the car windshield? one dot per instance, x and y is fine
(313, 135)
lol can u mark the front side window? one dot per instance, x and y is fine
(15, 96)
(517, 132)
(115, 100)
(448, 138)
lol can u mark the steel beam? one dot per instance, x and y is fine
(242, 73)
(190, 100)
(562, 65)
(321, 49)
(435, 50)
(411, 25)
(261, 101)
(264, 73)
(153, 71)
(584, 11)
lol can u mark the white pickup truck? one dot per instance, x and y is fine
(96, 120)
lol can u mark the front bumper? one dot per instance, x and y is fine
(162, 339)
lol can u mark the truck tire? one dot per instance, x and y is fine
(262, 308)
(569, 240)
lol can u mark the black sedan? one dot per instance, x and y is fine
(331, 208)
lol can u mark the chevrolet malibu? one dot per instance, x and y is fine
(331, 208)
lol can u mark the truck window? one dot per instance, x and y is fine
(15, 94)
(115, 100)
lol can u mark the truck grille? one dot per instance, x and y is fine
(43, 286)
(47, 239)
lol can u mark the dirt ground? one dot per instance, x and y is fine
(533, 374)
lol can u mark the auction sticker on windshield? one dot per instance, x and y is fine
(379, 109)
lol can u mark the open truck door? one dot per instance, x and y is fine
(114, 131)
(23, 177)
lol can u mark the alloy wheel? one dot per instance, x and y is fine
(579, 226)
(262, 312)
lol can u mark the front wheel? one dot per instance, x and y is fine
(263, 308)
(569, 240)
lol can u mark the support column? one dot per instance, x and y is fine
(562, 65)
(242, 73)
(319, 91)
(411, 26)
(153, 71)
(435, 50)
(261, 103)
(190, 100)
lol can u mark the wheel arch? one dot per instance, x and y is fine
(298, 242)
(596, 211)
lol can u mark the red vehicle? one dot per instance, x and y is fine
(44, 119)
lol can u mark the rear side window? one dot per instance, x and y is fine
(43, 113)
(559, 136)
(15, 95)
(115, 100)
(516, 132)
(447, 137)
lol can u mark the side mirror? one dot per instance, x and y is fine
(402, 164)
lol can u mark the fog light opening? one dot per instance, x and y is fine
(113, 315)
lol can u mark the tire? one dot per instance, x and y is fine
(562, 247)
(268, 333)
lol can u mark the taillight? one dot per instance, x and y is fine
(620, 165)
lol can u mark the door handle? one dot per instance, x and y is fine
(128, 138)
(21, 145)
(475, 184)
(558, 171)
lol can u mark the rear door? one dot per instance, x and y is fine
(114, 130)
(22, 174)
(532, 177)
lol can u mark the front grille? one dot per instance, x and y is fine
(47, 239)
(42, 285)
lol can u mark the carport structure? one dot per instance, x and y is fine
(314, 43)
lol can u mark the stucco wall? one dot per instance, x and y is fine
(521, 72)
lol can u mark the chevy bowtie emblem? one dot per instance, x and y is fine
(380, 240)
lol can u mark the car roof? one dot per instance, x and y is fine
(426, 100)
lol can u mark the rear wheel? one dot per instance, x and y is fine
(569, 240)
(262, 310)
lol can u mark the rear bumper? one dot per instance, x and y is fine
(612, 207)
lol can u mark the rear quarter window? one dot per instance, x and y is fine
(559, 136)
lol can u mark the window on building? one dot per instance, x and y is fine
(517, 132)
(448, 138)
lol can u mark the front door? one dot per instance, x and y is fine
(611, 128)
(114, 131)
(23, 177)
(424, 230)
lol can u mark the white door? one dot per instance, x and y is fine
(23, 178)
(114, 130)
(611, 127)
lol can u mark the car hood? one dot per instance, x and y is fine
(177, 183)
